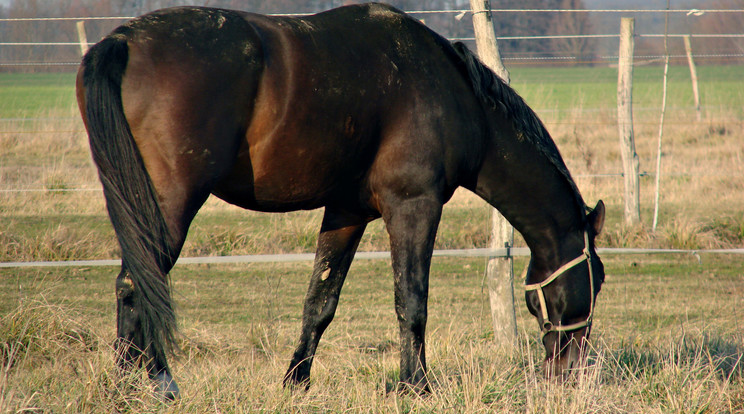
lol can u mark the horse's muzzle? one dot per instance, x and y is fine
(565, 353)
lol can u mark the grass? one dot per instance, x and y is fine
(668, 336)
(596, 88)
(662, 343)
(28, 95)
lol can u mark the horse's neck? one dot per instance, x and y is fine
(551, 228)
(537, 199)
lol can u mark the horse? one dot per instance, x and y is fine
(361, 110)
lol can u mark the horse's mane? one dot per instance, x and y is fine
(493, 91)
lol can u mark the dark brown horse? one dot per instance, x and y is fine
(361, 110)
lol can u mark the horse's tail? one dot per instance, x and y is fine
(146, 243)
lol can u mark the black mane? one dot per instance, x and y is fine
(495, 93)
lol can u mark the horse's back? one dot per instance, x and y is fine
(275, 113)
(367, 95)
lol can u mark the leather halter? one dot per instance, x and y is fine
(548, 326)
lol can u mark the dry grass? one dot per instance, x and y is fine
(238, 332)
(701, 199)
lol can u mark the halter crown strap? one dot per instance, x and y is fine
(547, 324)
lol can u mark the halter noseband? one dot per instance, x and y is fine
(548, 326)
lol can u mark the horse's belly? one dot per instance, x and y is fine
(283, 185)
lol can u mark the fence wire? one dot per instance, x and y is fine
(459, 12)
(306, 257)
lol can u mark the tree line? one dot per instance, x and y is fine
(580, 51)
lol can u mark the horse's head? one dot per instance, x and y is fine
(563, 299)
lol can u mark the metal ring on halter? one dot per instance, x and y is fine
(548, 325)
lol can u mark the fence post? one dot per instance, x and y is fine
(693, 75)
(632, 209)
(499, 271)
(485, 38)
(82, 37)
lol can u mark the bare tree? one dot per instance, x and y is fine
(581, 49)
(719, 23)
(509, 24)
(543, 24)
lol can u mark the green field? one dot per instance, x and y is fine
(596, 88)
(31, 95)
(668, 336)
(27, 95)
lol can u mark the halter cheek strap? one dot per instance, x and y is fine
(547, 324)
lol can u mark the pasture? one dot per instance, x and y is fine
(667, 337)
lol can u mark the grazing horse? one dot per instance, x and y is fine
(361, 110)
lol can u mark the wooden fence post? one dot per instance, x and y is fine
(632, 210)
(485, 38)
(693, 75)
(82, 37)
(499, 271)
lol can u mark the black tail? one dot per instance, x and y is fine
(146, 243)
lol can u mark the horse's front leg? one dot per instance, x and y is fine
(412, 226)
(337, 243)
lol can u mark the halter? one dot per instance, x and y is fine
(547, 324)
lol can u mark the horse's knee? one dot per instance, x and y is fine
(326, 314)
(413, 316)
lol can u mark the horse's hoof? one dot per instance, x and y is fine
(293, 384)
(165, 386)
(420, 388)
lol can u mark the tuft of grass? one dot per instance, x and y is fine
(221, 243)
(39, 329)
(692, 374)
(624, 236)
(729, 229)
(298, 235)
(684, 233)
(64, 242)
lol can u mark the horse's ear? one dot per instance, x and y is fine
(597, 216)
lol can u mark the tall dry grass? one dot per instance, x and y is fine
(702, 170)
(701, 196)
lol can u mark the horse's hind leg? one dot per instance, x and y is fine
(337, 243)
(131, 345)
(143, 337)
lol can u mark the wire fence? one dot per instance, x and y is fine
(462, 12)
(595, 59)
(308, 257)
(456, 14)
